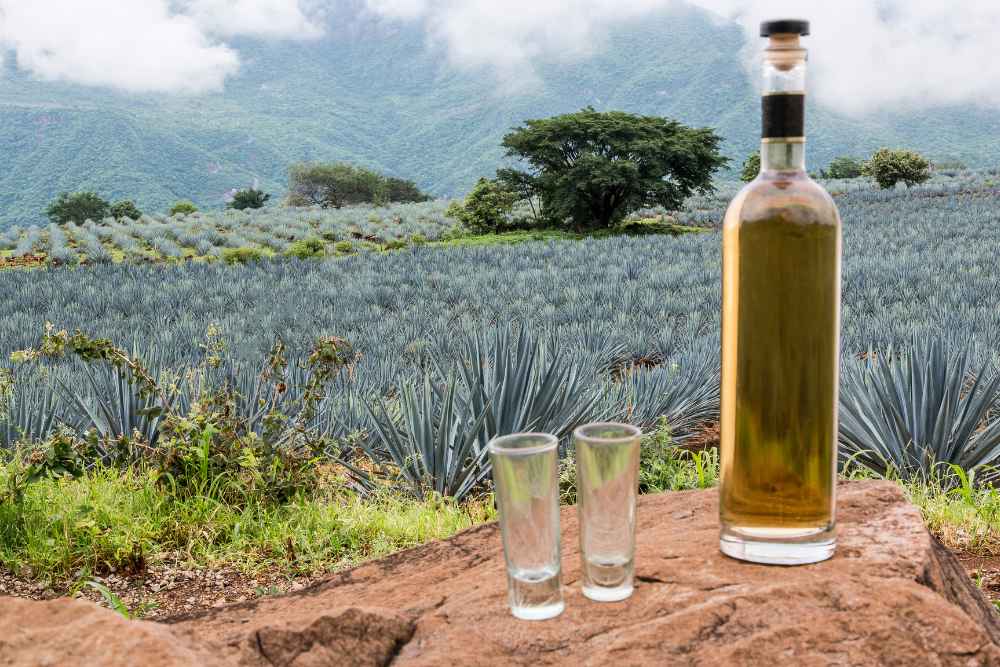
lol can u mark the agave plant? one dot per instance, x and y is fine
(434, 445)
(522, 385)
(910, 413)
(30, 414)
(684, 390)
(113, 406)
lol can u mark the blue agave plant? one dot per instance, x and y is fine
(911, 412)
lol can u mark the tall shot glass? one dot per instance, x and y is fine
(526, 479)
(607, 479)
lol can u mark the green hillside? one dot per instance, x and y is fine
(376, 93)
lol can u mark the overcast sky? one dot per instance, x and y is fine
(865, 54)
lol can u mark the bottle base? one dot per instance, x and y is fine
(778, 546)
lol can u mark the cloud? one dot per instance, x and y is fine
(865, 55)
(281, 19)
(142, 45)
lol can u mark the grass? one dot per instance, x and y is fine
(67, 530)
(963, 519)
(639, 227)
(114, 520)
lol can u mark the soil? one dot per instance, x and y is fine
(705, 436)
(985, 572)
(165, 590)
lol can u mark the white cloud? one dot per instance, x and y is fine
(865, 55)
(281, 19)
(142, 45)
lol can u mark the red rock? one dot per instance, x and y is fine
(891, 596)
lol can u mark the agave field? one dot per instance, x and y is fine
(541, 335)
(206, 235)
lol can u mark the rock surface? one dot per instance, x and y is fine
(891, 596)
(77, 632)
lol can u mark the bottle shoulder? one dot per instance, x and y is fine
(795, 197)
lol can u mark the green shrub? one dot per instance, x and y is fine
(418, 239)
(249, 199)
(125, 209)
(77, 207)
(394, 244)
(242, 255)
(843, 167)
(343, 247)
(311, 248)
(888, 167)
(183, 207)
(751, 167)
(487, 208)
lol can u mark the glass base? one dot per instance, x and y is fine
(536, 595)
(539, 613)
(608, 578)
(778, 546)
(603, 594)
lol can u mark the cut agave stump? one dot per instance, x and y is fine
(891, 595)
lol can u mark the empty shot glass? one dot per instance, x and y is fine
(607, 479)
(526, 479)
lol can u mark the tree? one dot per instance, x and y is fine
(249, 198)
(401, 190)
(183, 207)
(842, 167)
(751, 167)
(487, 208)
(888, 167)
(336, 185)
(125, 209)
(595, 168)
(77, 207)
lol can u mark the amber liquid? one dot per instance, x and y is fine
(780, 353)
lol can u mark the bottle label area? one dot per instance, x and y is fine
(783, 115)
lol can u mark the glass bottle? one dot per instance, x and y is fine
(780, 336)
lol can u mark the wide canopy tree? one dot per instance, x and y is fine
(594, 168)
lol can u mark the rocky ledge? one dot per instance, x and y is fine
(891, 596)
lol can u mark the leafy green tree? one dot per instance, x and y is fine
(887, 167)
(249, 198)
(842, 167)
(77, 207)
(751, 167)
(594, 168)
(487, 208)
(337, 185)
(401, 190)
(125, 209)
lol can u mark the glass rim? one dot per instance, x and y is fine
(633, 432)
(496, 445)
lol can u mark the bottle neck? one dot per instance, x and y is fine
(783, 105)
(782, 155)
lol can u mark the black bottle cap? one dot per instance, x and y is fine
(784, 26)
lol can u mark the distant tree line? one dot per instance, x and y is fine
(310, 184)
(886, 167)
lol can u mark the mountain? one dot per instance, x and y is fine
(377, 93)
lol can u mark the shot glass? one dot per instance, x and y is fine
(526, 479)
(607, 480)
